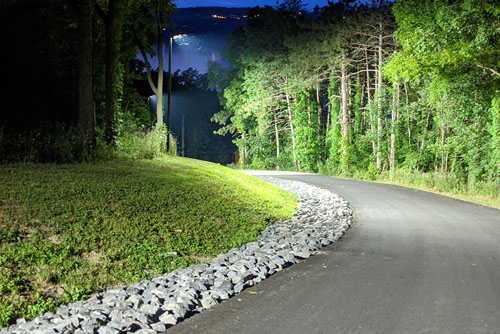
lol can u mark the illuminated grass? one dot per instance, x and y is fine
(67, 231)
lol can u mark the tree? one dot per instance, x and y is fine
(154, 18)
(338, 94)
(113, 20)
(452, 44)
(86, 111)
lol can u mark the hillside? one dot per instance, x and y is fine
(67, 231)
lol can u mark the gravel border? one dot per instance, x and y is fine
(152, 306)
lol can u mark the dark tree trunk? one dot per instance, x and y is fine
(344, 120)
(379, 100)
(394, 118)
(86, 111)
(296, 163)
(183, 134)
(277, 138)
(112, 68)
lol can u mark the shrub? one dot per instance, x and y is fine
(146, 143)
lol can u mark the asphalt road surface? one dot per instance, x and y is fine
(413, 262)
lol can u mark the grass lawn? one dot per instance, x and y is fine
(67, 231)
(447, 185)
(486, 200)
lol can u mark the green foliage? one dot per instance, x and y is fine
(306, 132)
(443, 73)
(136, 112)
(68, 231)
(494, 130)
(334, 136)
(146, 143)
(371, 173)
(47, 142)
(357, 111)
(442, 182)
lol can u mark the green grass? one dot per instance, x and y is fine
(446, 184)
(67, 231)
(483, 193)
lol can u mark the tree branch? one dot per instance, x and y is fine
(489, 69)
(148, 70)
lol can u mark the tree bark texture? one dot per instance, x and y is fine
(86, 110)
(290, 120)
(344, 122)
(394, 117)
(277, 137)
(379, 99)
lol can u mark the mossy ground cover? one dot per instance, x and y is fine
(67, 231)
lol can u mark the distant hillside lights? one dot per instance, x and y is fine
(179, 36)
(222, 17)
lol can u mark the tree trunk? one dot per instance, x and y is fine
(379, 101)
(169, 103)
(290, 120)
(112, 60)
(318, 102)
(344, 122)
(277, 137)
(86, 111)
(328, 119)
(394, 117)
(244, 150)
(148, 71)
(183, 133)
(369, 98)
(368, 89)
(407, 114)
(159, 86)
(443, 153)
(424, 133)
(308, 111)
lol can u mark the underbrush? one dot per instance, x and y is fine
(60, 144)
(481, 192)
(443, 182)
(146, 143)
(70, 230)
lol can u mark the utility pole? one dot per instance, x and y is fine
(169, 90)
(183, 132)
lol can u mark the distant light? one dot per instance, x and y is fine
(215, 16)
(164, 29)
(179, 36)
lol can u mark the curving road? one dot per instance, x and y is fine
(413, 262)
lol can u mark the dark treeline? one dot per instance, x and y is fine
(70, 68)
(193, 105)
(387, 87)
(75, 89)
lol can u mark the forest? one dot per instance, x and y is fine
(92, 195)
(381, 89)
(404, 88)
(80, 85)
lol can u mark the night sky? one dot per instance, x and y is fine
(242, 3)
(205, 43)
